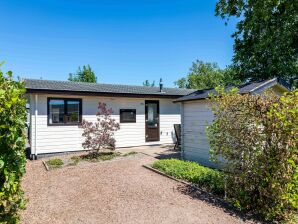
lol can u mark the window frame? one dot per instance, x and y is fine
(65, 111)
(128, 110)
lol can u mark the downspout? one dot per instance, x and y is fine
(35, 127)
(182, 129)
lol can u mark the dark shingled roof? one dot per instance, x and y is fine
(38, 85)
(252, 87)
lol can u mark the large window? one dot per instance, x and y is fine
(127, 115)
(64, 111)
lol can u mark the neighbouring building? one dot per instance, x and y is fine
(196, 114)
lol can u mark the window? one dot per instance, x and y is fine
(56, 111)
(127, 115)
(64, 111)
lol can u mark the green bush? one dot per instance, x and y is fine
(55, 163)
(254, 138)
(206, 178)
(12, 147)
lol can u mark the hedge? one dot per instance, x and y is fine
(254, 139)
(12, 147)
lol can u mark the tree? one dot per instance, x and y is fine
(12, 147)
(254, 138)
(100, 135)
(207, 75)
(83, 75)
(147, 83)
(266, 37)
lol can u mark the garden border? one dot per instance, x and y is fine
(45, 165)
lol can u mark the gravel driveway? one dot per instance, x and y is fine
(114, 192)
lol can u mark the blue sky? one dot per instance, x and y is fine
(125, 42)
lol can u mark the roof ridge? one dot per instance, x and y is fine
(106, 84)
(245, 88)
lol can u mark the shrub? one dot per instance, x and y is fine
(208, 179)
(55, 163)
(100, 135)
(12, 147)
(254, 139)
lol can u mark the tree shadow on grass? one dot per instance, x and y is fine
(218, 202)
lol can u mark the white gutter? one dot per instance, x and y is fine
(35, 125)
(182, 152)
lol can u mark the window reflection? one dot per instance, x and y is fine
(64, 111)
(56, 111)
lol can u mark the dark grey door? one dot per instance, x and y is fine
(152, 120)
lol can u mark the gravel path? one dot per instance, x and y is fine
(114, 192)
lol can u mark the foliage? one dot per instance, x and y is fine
(130, 153)
(55, 163)
(206, 178)
(12, 147)
(100, 135)
(108, 156)
(254, 140)
(266, 37)
(147, 83)
(75, 160)
(95, 157)
(207, 75)
(83, 75)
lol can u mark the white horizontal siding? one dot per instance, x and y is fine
(195, 117)
(69, 138)
(195, 145)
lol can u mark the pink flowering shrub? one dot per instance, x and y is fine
(100, 135)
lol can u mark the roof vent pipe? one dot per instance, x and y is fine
(160, 85)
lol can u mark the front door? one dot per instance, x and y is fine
(152, 120)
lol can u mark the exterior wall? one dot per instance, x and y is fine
(196, 115)
(51, 139)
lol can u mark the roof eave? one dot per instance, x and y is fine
(266, 85)
(270, 83)
(182, 100)
(89, 93)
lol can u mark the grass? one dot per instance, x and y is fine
(75, 160)
(130, 153)
(54, 163)
(108, 156)
(94, 157)
(206, 178)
